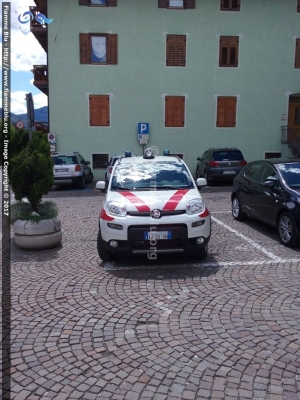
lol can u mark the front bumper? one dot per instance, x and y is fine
(131, 239)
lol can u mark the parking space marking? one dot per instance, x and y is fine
(248, 240)
(113, 266)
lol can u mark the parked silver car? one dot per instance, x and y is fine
(71, 167)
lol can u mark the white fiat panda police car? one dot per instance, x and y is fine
(152, 206)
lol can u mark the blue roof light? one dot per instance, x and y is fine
(127, 153)
(166, 152)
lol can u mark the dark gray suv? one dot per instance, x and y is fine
(220, 164)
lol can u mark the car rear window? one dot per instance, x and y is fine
(228, 155)
(59, 160)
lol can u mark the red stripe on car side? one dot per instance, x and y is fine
(137, 202)
(173, 201)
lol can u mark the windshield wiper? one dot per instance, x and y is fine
(119, 188)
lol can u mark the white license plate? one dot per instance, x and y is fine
(61, 170)
(229, 172)
(157, 235)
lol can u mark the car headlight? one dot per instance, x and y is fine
(116, 208)
(195, 206)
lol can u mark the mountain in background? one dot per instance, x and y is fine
(40, 115)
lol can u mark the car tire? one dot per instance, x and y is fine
(207, 179)
(287, 230)
(81, 184)
(236, 209)
(201, 253)
(104, 254)
(90, 178)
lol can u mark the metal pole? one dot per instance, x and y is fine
(30, 114)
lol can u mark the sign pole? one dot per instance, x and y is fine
(30, 114)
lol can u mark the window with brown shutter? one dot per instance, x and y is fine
(230, 5)
(176, 49)
(99, 110)
(177, 4)
(98, 48)
(226, 111)
(228, 51)
(297, 54)
(98, 3)
(174, 111)
(298, 5)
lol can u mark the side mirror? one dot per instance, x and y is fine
(87, 162)
(198, 158)
(270, 183)
(100, 185)
(201, 182)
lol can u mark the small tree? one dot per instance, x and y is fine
(30, 167)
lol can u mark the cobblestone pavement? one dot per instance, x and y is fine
(225, 328)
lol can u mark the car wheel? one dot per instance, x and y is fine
(81, 184)
(103, 253)
(207, 179)
(236, 209)
(200, 254)
(91, 178)
(287, 230)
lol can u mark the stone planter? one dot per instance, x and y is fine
(40, 235)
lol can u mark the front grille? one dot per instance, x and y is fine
(138, 242)
(160, 244)
(163, 213)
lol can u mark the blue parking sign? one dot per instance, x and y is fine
(143, 128)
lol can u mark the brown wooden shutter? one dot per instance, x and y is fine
(174, 111)
(230, 5)
(226, 112)
(84, 45)
(297, 54)
(112, 49)
(162, 3)
(171, 50)
(190, 3)
(176, 50)
(298, 6)
(235, 4)
(180, 50)
(228, 51)
(112, 3)
(224, 4)
(99, 110)
(83, 2)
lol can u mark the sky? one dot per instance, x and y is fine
(25, 52)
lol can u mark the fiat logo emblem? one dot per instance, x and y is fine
(155, 213)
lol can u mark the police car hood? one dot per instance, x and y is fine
(165, 200)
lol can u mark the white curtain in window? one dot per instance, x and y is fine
(99, 46)
(102, 2)
(175, 3)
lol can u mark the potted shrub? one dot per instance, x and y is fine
(35, 223)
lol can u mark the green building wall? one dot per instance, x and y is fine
(137, 85)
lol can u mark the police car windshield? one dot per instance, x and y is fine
(151, 175)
